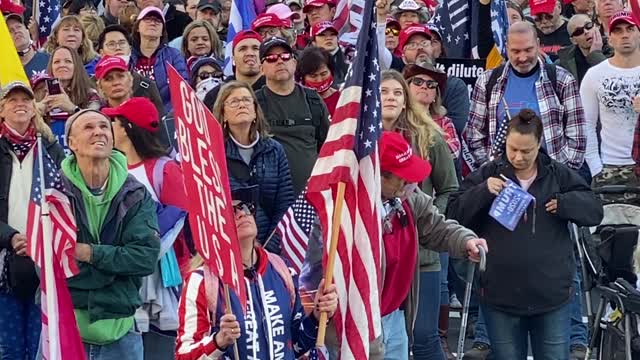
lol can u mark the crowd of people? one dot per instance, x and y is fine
(556, 114)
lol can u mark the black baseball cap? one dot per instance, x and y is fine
(210, 4)
(274, 42)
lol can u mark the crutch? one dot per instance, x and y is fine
(467, 299)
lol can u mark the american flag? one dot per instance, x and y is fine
(294, 229)
(242, 14)
(454, 20)
(47, 13)
(501, 139)
(350, 155)
(60, 336)
(499, 24)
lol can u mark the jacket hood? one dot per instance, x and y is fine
(116, 178)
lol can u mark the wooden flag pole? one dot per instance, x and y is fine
(333, 249)
(227, 299)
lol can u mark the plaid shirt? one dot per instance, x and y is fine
(450, 135)
(562, 117)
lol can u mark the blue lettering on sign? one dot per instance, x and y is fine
(509, 206)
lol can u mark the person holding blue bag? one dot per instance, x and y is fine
(135, 129)
(528, 285)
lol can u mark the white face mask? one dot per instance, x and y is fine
(205, 86)
(125, 58)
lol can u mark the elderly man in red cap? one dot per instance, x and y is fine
(269, 25)
(550, 25)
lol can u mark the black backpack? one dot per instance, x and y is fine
(495, 74)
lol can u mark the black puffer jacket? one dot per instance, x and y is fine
(21, 267)
(529, 271)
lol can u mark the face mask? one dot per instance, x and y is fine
(205, 86)
(320, 86)
(125, 58)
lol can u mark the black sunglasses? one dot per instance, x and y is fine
(246, 207)
(543, 16)
(582, 29)
(273, 58)
(431, 84)
(205, 75)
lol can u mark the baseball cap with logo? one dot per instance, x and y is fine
(265, 19)
(406, 5)
(15, 85)
(317, 3)
(622, 16)
(137, 110)
(274, 42)
(397, 157)
(108, 63)
(409, 31)
(321, 27)
(243, 35)
(542, 6)
(210, 4)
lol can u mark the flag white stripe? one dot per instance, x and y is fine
(344, 127)
(325, 165)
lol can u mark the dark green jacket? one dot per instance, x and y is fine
(567, 59)
(126, 251)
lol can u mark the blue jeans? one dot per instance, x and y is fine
(20, 328)
(394, 332)
(510, 333)
(578, 328)
(481, 334)
(128, 347)
(444, 275)
(158, 346)
(426, 342)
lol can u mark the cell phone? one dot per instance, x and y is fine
(53, 86)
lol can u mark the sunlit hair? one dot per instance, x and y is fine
(85, 50)
(37, 121)
(216, 44)
(259, 125)
(93, 26)
(413, 122)
(79, 89)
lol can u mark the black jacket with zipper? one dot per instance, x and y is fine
(529, 270)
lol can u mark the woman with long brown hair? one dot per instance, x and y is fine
(69, 32)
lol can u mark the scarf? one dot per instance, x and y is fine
(20, 144)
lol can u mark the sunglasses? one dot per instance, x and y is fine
(392, 31)
(205, 75)
(582, 29)
(273, 58)
(431, 84)
(245, 207)
(543, 16)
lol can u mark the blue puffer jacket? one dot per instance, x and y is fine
(269, 169)
(164, 55)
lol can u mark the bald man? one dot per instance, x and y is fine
(586, 48)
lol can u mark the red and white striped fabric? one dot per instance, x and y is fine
(350, 155)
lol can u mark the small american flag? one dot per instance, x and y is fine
(319, 353)
(500, 24)
(47, 13)
(453, 19)
(60, 336)
(350, 156)
(294, 229)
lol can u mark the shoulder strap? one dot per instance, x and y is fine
(493, 80)
(284, 272)
(315, 105)
(158, 174)
(211, 287)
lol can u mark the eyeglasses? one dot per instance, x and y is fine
(113, 45)
(582, 29)
(431, 84)
(152, 19)
(235, 103)
(205, 75)
(392, 31)
(544, 16)
(269, 32)
(273, 58)
(414, 45)
(245, 207)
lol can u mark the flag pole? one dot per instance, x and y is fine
(333, 249)
(227, 299)
(50, 289)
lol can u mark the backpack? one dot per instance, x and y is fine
(157, 176)
(212, 283)
(495, 74)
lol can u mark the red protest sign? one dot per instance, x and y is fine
(201, 146)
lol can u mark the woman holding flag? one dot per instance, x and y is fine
(527, 287)
(273, 325)
(19, 314)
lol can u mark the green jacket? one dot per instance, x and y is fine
(567, 59)
(126, 250)
(443, 181)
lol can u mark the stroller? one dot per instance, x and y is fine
(614, 326)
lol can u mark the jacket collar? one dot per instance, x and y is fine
(232, 152)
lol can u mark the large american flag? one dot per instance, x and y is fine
(454, 20)
(500, 24)
(243, 12)
(47, 13)
(294, 229)
(350, 155)
(50, 219)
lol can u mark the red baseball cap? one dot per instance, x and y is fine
(108, 63)
(622, 16)
(542, 6)
(267, 20)
(321, 27)
(243, 35)
(391, 21)
(397, 157)
(409, 31)
(139, 111)
(317, 3)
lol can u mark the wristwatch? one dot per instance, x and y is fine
(76, 109)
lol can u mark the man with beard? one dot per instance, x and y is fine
(551, 26)
(298, 117)
(244, 54)
(34, 62)
(586, 50)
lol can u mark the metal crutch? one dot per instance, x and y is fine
(467, 299)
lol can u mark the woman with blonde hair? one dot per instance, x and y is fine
(70, 32)
(200, 39)
(19, 125)
(93, 26)
(254, 158)
(403, 114)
